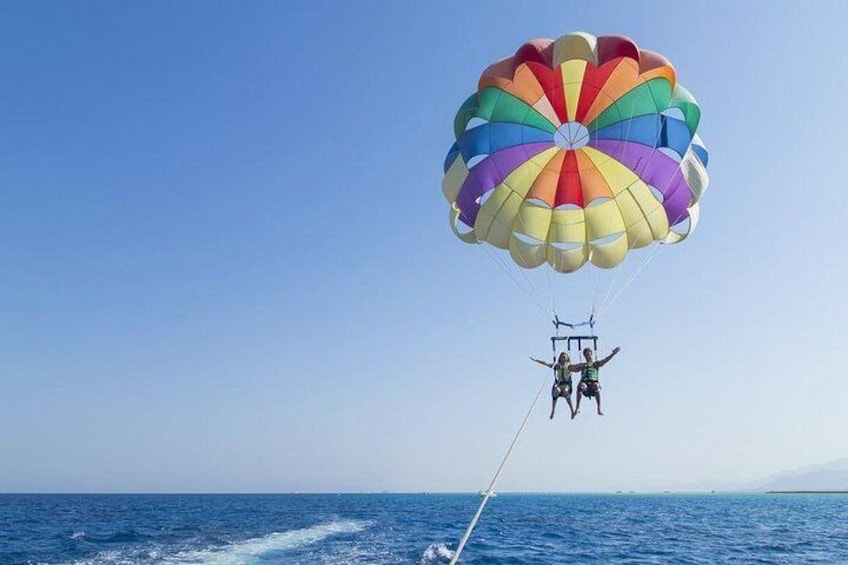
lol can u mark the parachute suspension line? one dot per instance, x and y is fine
(539, 294)
(494, 256)
(551, 293)
(649, 256)
(488, 492)
(530, 289)
(615, 290)
(609, 289)
(594, 290)
(554, 341)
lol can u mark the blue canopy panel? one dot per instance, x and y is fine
(653, 130)
(494, 136)
(701, 152)
(452, 153)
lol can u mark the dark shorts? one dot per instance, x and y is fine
(561, 389)
(591, 388)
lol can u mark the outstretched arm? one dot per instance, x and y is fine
(604, 361)
(540, 362)
(577, 368)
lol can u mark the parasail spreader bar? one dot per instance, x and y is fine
(571, 339)
(574, 338)
(573, 325)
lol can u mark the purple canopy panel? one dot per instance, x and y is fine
(656, 169)
(489, 173)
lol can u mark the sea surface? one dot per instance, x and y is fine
(422, 529)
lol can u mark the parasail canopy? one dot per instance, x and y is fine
(576, 151)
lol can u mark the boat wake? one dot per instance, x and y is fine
(248, 550)
(243, 552)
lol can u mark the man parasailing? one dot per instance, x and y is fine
(589, 384)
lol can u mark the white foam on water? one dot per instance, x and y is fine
(238, 553)
(112, 557)
(243, 552)
(436, 553)
(120, 557)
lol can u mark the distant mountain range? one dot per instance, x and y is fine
(832, 476)
(829, 476)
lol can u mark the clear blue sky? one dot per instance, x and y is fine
(226, 263)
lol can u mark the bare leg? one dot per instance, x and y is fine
(570, 407)
(553, 407)
(579, 395)
(598, 398)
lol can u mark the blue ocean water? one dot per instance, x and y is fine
(421, 529)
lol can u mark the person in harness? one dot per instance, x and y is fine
(562, 381)
(589, 385)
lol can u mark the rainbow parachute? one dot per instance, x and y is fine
(574, 151)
